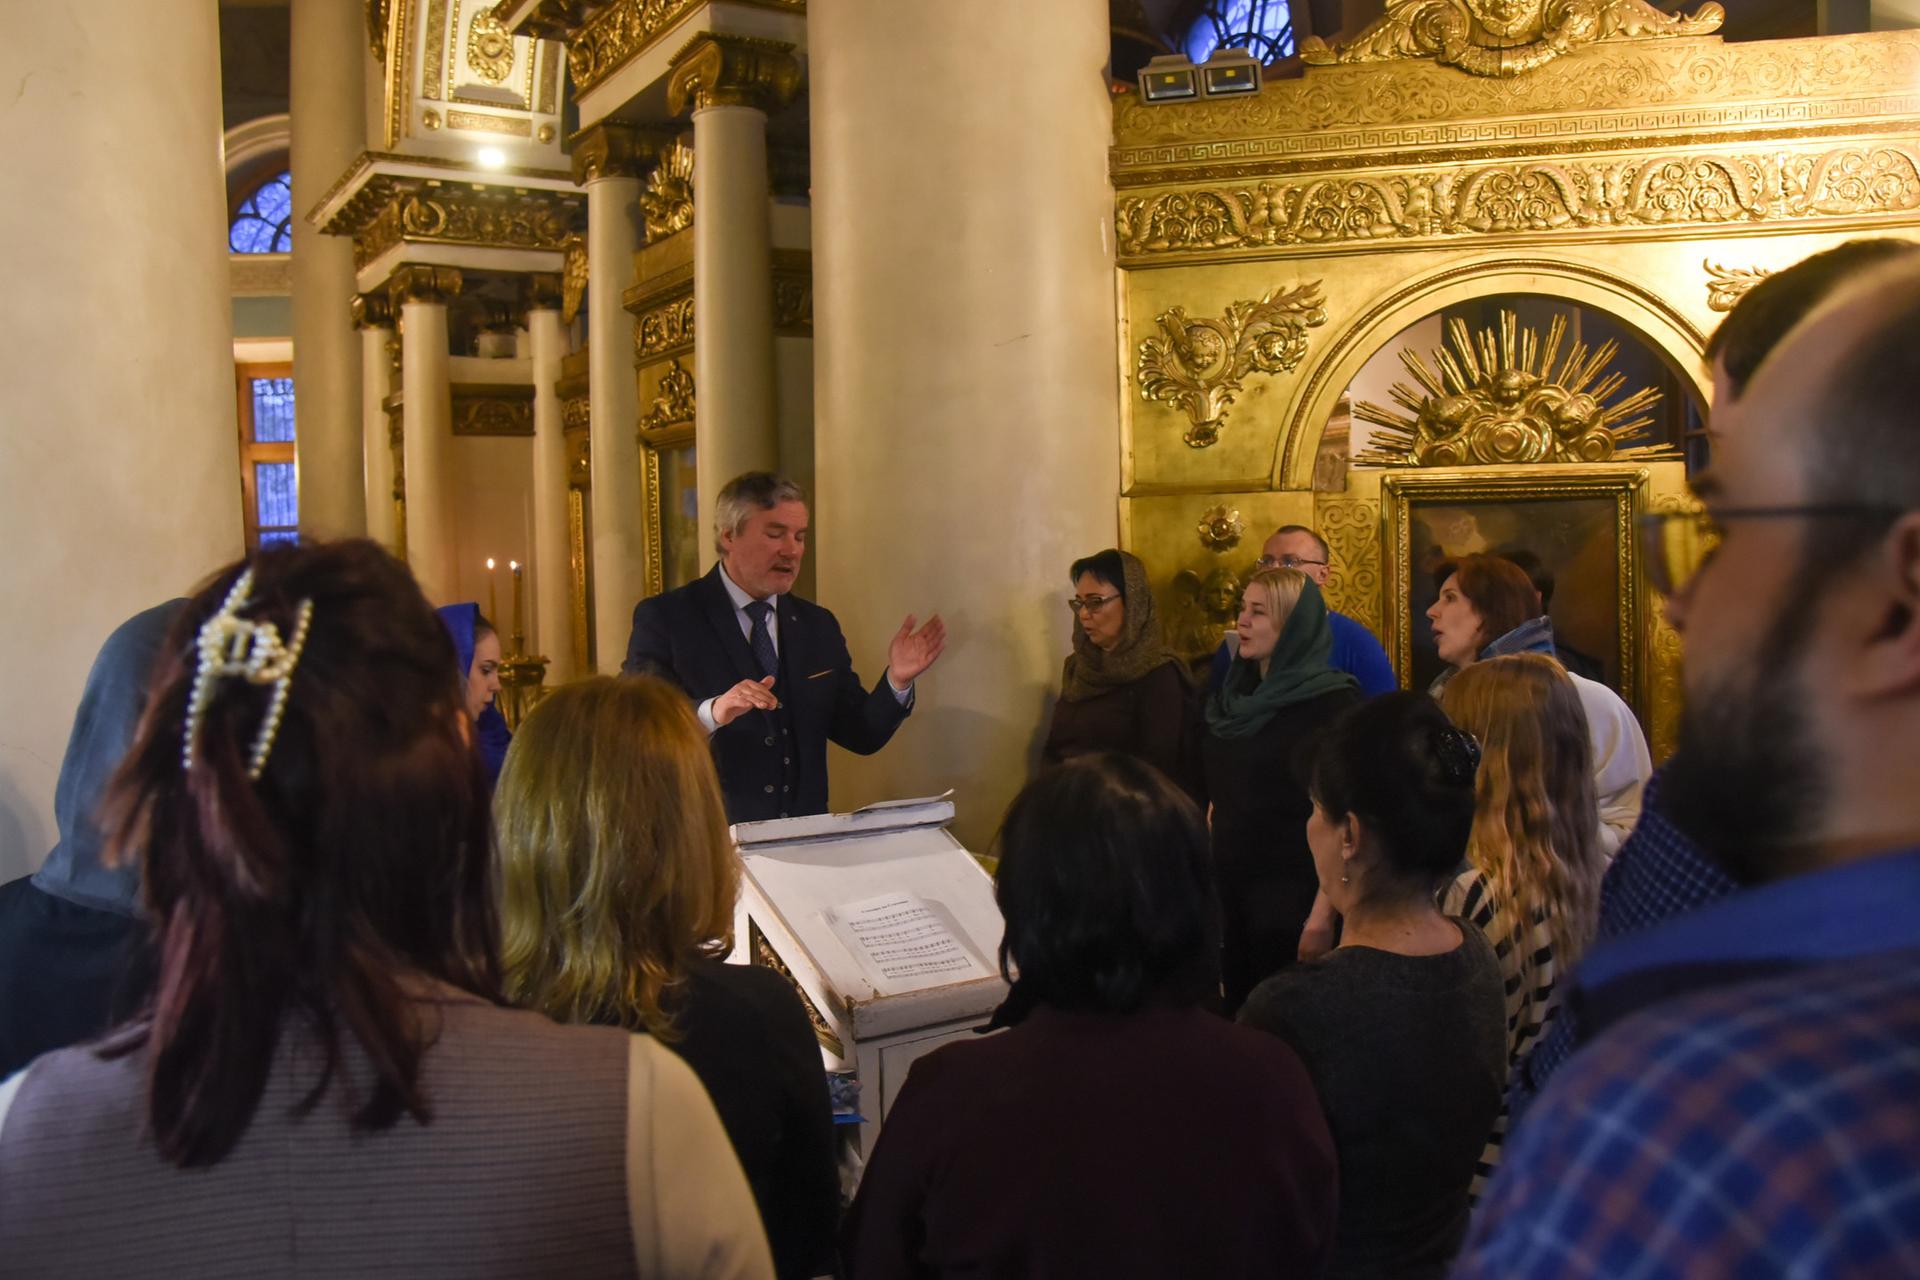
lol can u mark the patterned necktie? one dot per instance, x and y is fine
(762, 639)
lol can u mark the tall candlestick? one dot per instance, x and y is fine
(493, 601)
(519, 641)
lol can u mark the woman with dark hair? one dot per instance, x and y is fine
(326, 1081)
(1124, 689)
(1488, 608)
(618, 882)
(476, 649)
(1280, 692)
(1117, 1128)
(1403, 1025)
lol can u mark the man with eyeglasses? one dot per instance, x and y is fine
(1355, 651)
(1751, 1102)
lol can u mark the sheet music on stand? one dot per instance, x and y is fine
(902, 944)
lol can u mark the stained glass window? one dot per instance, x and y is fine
(272, 410)
(1263, 28)
(279, 500)
(265, 221)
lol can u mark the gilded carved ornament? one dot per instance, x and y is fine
(1504, 38)
(673, 403)
(621, 31)
(484, 410)
(432, 213)
(613, 149)
(1500, 400)
(733, 71)
(1727, 285)
(377, 11)
(666, 203)
(573, 277)
(663, 329)
(489, 47)
(415, 283)
(1221, 527)
(1198, 366)
(371, 311)
(540, 291)
(1532, 196)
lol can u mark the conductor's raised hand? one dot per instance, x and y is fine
(911, 652)
(746, 696)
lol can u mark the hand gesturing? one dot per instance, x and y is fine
(911, 652)
(742, 698)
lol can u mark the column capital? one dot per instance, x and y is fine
(733, 71)
(416, 283)
(615, 149)
(540, 292)
(371, 310)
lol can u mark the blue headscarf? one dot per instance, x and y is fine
(110, 707)
(490, 732)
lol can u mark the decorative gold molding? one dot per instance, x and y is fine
(481, 122)
(540, 291)
(431, 84)
(371, 311)
(1197, 366)
(412, 282)
(387, 212)
(1352, 531)
(1727, 285)
(1499, 400)
(732, 71)
(622, 31)
(579, 579)
(1221, 527)
(456, 171)
(492, 409)
(397, 85)
(573, 277)
(1504, 38)
(1658, 192)
(666, 203)
(489, 47)
(377, 28)
(614, 149)
(673, 403)
(550, 19)
(665, 329)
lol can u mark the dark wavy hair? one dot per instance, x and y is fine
(1499, 590)
(357, 865)
(1106, 884)
(1400, 765)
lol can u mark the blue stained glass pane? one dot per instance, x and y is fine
(272, 410)
(280, 537)
(264, 223)
(1263, 27)
(277, 498)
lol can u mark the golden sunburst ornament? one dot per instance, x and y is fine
(1507, 398)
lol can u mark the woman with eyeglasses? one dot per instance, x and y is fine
(1279, 694)
(1488, 608)
(1124, 689)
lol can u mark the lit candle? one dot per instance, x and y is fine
(493, 601)
(513, 567)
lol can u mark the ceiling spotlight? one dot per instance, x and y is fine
(492, 158)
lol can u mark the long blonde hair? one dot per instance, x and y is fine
(1535, 835)
(616, 867)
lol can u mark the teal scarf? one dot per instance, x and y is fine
(1300, 670)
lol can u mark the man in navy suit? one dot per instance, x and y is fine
(769, 672)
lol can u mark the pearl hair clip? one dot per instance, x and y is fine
(231, 645)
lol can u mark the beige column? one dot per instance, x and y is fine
(426, 415)
(373, 317)
(966, 424)
(552, 623)
(607, 160)
(329, 129)
(119, 471)
(731, 82)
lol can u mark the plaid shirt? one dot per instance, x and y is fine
(1766, 1129)
(1759, 1116)
(1659, 873)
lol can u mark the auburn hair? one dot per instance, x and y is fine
(617, 869)
(1498, 589)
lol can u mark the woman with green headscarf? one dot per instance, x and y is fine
(1279, 694)
(1123, 688)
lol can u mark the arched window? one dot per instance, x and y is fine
(264, 223)
(1263, 28)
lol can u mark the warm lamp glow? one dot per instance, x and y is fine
(492, 158)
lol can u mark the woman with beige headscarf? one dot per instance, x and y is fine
(1124, 689)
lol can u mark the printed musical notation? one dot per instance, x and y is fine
(904, 945)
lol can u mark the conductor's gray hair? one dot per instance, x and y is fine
(746, 494)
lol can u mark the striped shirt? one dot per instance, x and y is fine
(1531, 1002)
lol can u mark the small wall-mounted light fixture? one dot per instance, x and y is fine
(491, 158)
(1169, 78)
(1230, 71)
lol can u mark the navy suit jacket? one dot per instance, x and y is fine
(772, 765)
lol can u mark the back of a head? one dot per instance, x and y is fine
(1536, 823)
(360, 851)
(1499, 590)
(1106, 883)
(617, 869)
(1770, 310)
(1399, 765)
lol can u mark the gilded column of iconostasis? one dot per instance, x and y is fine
(1447, 292)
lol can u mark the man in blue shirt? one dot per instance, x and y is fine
(1751, 1102)
(1355, 651)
